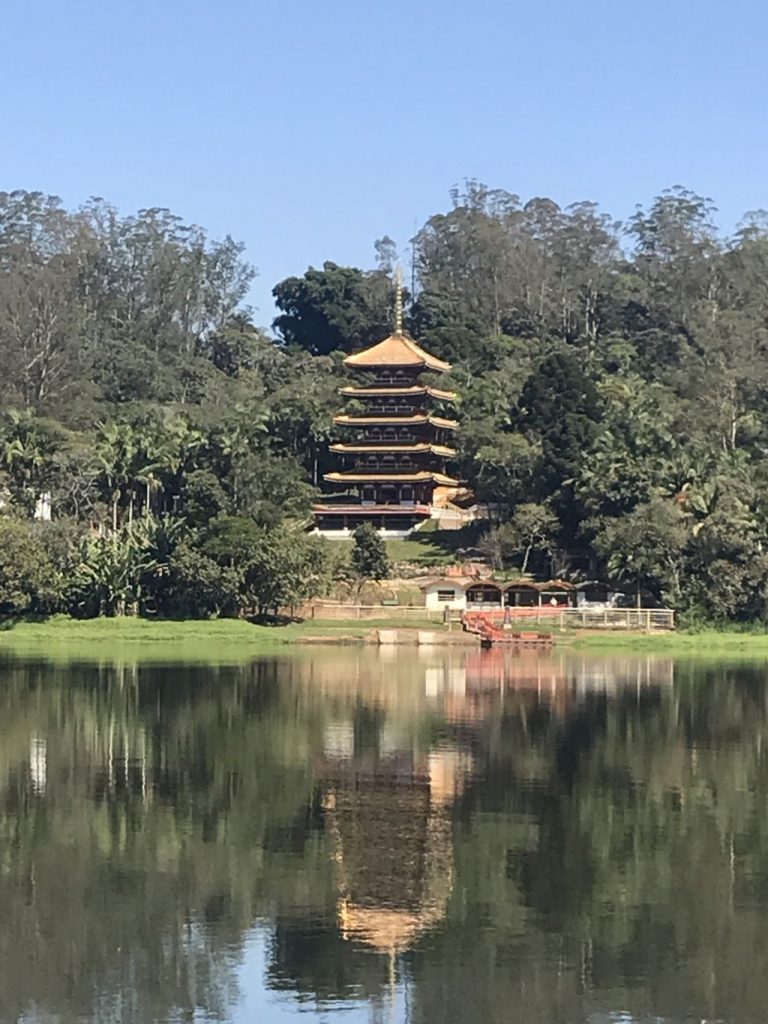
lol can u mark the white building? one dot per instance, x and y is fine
(461, 593)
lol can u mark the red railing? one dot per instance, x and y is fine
(484, 626)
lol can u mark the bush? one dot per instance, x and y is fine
(30, 579)
(199, 587)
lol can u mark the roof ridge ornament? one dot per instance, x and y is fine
(398, 299)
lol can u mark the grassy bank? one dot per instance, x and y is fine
(232, 640)
(707, 642)
(221, 640)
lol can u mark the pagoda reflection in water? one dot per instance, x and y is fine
(387, 803)
(388, 800)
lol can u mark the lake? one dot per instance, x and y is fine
(354, 836)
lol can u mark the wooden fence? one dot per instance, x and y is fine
(332, 610)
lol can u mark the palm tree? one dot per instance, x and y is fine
(26, 454)
(236, 439)
(151, 458)
(182, 451)
(116, 453)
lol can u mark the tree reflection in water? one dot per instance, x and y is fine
(498, 836)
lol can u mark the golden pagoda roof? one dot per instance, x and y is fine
(360, 449)
(406, 421)
(397, 350)
(384, 929)
(420, 476)
(381, 391)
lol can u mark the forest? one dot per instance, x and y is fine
(613, 381)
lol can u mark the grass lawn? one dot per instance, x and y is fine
(426, 547)
(430, 546)
(233, 640)
(220, 640)
(419, 550)
(707, 642)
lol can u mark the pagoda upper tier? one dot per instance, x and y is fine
(398, 350)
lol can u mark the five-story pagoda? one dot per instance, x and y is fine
(397, 441)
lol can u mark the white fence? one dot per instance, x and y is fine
(648, 619)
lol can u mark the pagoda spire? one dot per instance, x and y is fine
(398, 299)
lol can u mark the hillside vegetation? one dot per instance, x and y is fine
(613, 381)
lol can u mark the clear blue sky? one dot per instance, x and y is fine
(308, 129)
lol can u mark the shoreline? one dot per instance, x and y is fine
(226, 640)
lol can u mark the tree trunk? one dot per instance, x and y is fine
(525, 559)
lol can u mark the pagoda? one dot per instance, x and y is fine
(396, 441)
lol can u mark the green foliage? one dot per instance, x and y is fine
(203, 498)
(369, 554)
(531, 528)
(333, 308)
(604, 383)
(116, 571)
(127, 302)
(270, 488)
(561, 406)
(504, 467)
(646, 548)
(199, 586)
(275, 568)
(30, 579)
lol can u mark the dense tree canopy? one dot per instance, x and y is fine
(615, 374)
(333, 308)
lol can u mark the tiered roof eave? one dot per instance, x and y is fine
(398, 350)
(401, 449)
(415, 391)
(420, 476)
(416, 419)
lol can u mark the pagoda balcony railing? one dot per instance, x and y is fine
(401, 409)
(400, 503)
(352, 510)
(331, 501)
(389, 380)
(377, 498)
(396, 437)
(363, 466)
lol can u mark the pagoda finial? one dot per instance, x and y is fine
(398, 299)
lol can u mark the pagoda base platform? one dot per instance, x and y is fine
(338, 522)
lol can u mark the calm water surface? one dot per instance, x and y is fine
(353, 837)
